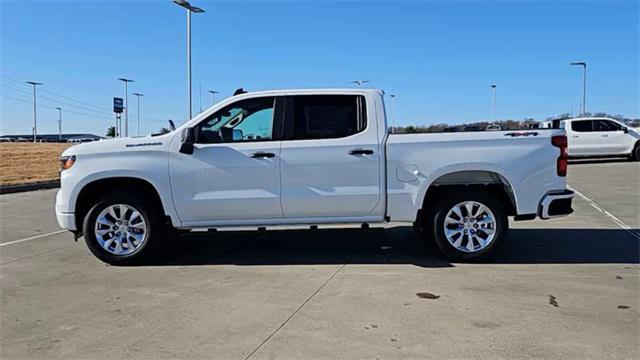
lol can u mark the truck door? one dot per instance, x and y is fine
(613, 138)
(330, 157)
(234, 171)
(582, 138)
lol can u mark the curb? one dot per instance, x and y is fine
(10, 189)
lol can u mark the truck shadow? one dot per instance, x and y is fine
(589, 161)
(398, 245)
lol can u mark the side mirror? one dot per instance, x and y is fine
(625, 130)
(188, 139)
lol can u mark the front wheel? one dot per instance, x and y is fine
(122, 228)
(467, 224)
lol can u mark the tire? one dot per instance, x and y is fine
(478, 228)
(635, 155)
(133, 248)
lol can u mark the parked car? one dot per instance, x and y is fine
(329, 159)
(590, 137)
(81, 140)
(493, 127)
(5, 140)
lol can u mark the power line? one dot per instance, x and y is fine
(97, 109)
(62, 96)
(53, 107)
(59, 102)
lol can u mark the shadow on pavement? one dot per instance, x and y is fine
(398, 245)
(587, 161)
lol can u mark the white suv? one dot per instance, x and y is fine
(590, 137)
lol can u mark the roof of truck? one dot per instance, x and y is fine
(315, 91)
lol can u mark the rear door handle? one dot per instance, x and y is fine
(361, 152)
(575, 136)
(605, 135)
(262, 155)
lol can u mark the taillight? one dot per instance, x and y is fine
(560, 141)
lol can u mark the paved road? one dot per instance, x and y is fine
(563, 288)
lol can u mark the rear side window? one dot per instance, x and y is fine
(582, 125)
(607, 125)
(325, 116)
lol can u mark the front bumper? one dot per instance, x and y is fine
(65, 220)
(556, 204)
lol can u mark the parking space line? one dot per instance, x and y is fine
(611, 217)
(295, 312)
(32, 238)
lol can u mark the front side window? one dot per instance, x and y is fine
(327, 116)
(582, 125)
(607, 125)
(245, 120)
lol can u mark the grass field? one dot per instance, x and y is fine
(24, 163)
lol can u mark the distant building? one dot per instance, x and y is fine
(53, 137)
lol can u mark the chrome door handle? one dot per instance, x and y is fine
(361, 152)
(605, 135)
(262, 155)
(575, 136)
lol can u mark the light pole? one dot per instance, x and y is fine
(35, 119)
(126, 106)
(185, 4)
(213, 96)
(493, 103)
(359, 82)
(584, 84)
(59, 123)
(138, 96)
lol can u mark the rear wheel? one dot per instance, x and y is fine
(635, 155)
(122, 229)
(467, 224)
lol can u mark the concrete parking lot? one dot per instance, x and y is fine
(562, 288)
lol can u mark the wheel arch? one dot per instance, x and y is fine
(486, 180)
(92, 191)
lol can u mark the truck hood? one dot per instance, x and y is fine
(120, 145)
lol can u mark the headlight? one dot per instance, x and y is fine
(66, 162)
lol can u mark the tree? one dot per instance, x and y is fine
(111, 131)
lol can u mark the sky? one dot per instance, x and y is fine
(439, 58)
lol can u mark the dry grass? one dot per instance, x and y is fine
(24, 163)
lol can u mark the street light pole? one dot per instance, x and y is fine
(35, 119)
(126, 105)
(138, 96)
(185, 4)
(213, 96)
(584, 84)
(493, 102)
(59, 123)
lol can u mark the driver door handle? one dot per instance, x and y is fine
(262, 155)
(361, 152)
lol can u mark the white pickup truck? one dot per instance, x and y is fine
(309, 157)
